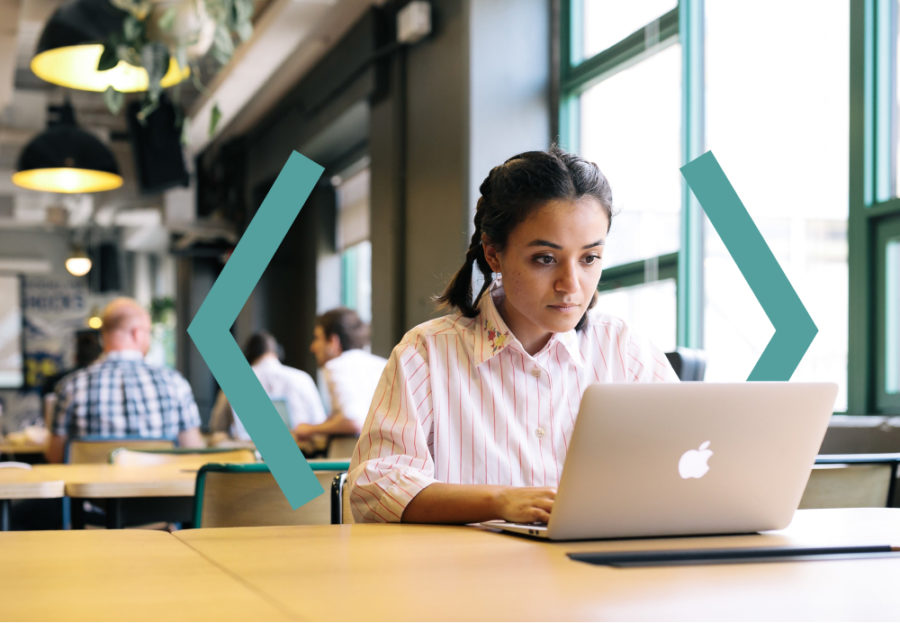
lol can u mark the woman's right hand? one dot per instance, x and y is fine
(525, 504)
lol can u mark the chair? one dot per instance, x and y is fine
(181, 456)
(97, 449)
(248, 495)
(340, 500)
(689, 363)
(851, 481)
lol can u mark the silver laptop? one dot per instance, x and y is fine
(666, 459)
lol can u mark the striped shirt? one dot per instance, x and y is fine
(121, 395)
(461, 401)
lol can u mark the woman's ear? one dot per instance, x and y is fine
(491, 254)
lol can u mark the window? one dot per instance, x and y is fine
(765, 85)
(621, 101)
(888, 316)
(606, 22)
(352, 188)
(778, 121)
(892, 316)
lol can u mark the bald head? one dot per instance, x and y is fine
(126, 326)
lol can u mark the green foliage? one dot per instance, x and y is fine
(151, 36)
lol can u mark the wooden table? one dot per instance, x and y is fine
(12, 448)
(112, 482)
(25, 484)
(121, 575)
(403, 572)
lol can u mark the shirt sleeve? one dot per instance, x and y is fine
(645, 362)
(62, 414)
(188, 413)
(307, 407)
(392, 462)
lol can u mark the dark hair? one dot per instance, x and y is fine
(259, 344)
(345, 323)
(508, 195)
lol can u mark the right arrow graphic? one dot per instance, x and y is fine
(794, 328)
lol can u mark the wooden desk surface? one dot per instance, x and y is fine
(21, 484)
(403, 572)
(93, 480)
(103, 575)
(90, 480)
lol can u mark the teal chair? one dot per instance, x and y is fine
(229, 495)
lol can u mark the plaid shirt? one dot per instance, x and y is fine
(121, 395)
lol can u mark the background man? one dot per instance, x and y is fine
(351, 373)
(121, 395)
(294, 387)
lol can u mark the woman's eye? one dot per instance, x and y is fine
(592, 259)
(544, 259)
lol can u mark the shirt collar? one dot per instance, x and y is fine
(123, 355)
(493, 336)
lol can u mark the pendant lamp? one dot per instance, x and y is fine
(78, 263)
(71, 44)
(66, 159)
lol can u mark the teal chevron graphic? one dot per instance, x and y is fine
(794, 328)
(210, 329)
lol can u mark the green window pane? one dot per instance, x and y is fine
(777, 95)
(892, 317)
(631, 127)
(605, 22)
(644, 306)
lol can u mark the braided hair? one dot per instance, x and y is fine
(509, 194)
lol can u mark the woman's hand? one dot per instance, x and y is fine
(525, 504)
(444, 503)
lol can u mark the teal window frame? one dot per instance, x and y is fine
(874, 206)
(874, 193)
(684, 25)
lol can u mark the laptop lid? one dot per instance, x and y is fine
(665, 459)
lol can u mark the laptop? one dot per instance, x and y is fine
(667, 459)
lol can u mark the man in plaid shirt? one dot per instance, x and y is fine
(121, 395)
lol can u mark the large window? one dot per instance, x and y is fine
(622, 85)
(353, 239)
(777, 120)
(765, 85)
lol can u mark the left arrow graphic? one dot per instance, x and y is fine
(210, 329)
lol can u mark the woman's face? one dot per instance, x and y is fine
(551, 266)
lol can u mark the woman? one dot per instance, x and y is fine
(473, 414)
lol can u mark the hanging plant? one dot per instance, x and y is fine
(156, 32)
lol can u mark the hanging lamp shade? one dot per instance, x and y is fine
(66, 159)
(71, 44)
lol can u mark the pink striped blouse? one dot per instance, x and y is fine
(460, 401)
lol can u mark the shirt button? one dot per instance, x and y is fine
(539, 432)
(536, 372)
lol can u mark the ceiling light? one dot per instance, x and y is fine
(78, 263)
(71, 44)
(66, 159)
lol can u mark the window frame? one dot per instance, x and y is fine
(684, 25)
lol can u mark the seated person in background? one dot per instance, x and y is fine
(121, 395)
(281, 382)
(351, 373)
(473, 415)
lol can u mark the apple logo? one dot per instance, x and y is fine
(693, 462)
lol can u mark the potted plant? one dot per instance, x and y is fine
(156, 32)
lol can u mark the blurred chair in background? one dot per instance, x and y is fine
(689, 363)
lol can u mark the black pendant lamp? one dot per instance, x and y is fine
(71, 44)
(66, 159)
